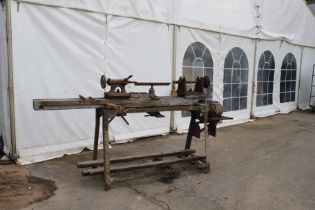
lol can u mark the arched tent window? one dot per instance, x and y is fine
(288, 79)
(235, 80)
(198, 63)
(265, 78)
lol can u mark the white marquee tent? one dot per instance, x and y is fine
(259, 55)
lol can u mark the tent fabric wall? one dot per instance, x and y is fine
(308, 62)
(265, 19)
(274, 48)
(80, 49)
(279, 51)
(142, 49)
(4, 97)
(286, 48)
(59, 52)
(219, 46)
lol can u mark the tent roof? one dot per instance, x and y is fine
(289, 20)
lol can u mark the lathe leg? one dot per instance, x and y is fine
(189, 135)
(106, 151)
(96, 133)
(206, 135)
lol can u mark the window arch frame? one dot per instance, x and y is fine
(235, 80)
(207, 68)
(198, 61)
(265, 80)
(288, 79)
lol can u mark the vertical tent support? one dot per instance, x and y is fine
(300, 73)
(13, 154)
(174, 53)
(252, 114)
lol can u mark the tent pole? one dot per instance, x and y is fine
(252, 115)
(13, 154)
(300, 73)
(174, 52)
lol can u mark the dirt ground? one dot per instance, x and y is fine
(265, 164)
(18, 188)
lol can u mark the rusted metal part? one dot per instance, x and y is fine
(152, 83)
(119, 115)
(181, 88)
(154, 114)
(118, 87)
(194, 128)
(200, 83)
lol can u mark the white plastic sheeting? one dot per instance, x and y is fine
(308, 62)
(79, 50)
(142, 49)
(4, 98)
(61, 53)
(266, 19)
(57, 53)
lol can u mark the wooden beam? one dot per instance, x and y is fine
(106, 157)
(94, 163)
(117, 169)
(165, 102)
(200, 166)
(96, 133)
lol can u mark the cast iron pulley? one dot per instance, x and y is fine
(103, 81)
(206, 81)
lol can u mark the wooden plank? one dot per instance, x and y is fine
(93, 163)
(200, 166)
(189, 134)
(117, 169)
(77, 103)
(96, 133)
(106, 170)
(206, 136)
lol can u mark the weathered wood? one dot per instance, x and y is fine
(189, 134)
(94, 163)
(96, 133)
(200, 166)
(165, 108)
(206, 136)
(117, 169)
(77, 103)
(106, 170)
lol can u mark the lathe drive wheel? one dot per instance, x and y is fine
(103, 81)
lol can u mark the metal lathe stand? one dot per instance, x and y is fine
(118, 103)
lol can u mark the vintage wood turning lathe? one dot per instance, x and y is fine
(117, 102)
